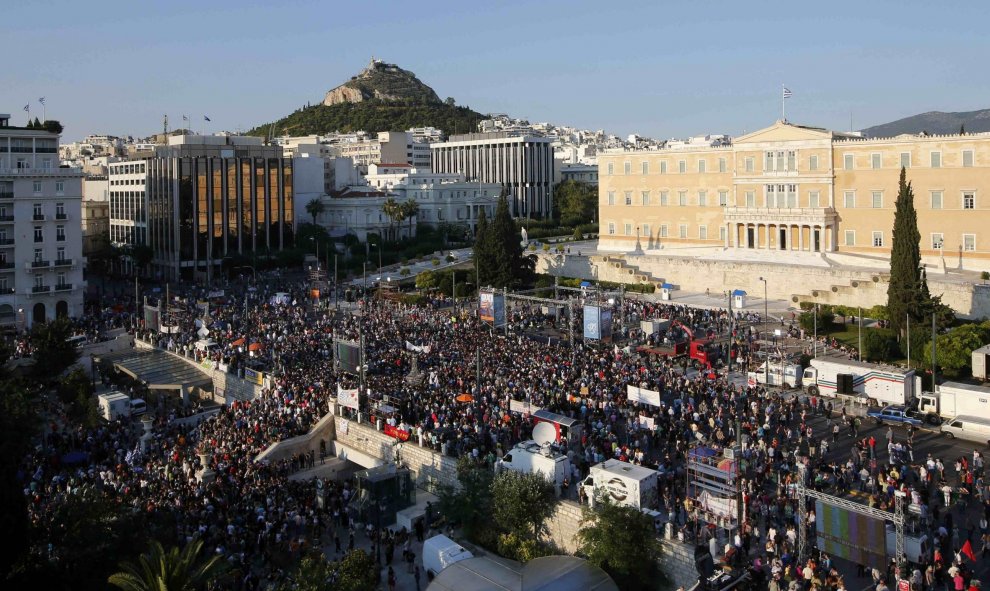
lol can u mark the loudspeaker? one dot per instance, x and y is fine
(844, 383)
(703, 561)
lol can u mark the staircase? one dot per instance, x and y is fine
(628, 273)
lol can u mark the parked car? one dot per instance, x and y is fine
(895, 415)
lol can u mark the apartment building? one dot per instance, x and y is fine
(798, 189)
(523, 165)
(388, 146)
(40, 236)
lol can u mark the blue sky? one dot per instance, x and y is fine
(660, 69)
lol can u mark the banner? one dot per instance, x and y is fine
(647, 423)
(522, 407)
(642, 395)
(342, 425)
(152, 317)
(417, 348)
(492, 308)
(348, 398)
(396, 433)
(605, 324)
(254, 376)
(216, 293)
(592, 323)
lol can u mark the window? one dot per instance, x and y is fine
(664, 198)
(877, 239)
(703, 232)
(847, 161)
(877, 199)
(37, 212)
(60, 278)
(38, 256)
(813, 163)
(646, 229)
(969, 242)
(611, 197)
(628, 229)
(663, 230)
(721, 164)
(60, 253)
(750, 199)
(849, 199)
(39, 281)
(59, 187)
(969, 200)
(905, 159)
(60, 211)
(682, 198)
(628, 197)
(813, 199)
(611, 228)
(938, 240)
(723, 198)
(646, 197)
(770, 196)
(721, 233)
(60, 233)
(37, 187)
(703, 198)
(646, 167)
(936, 200)
(663, 167)
(768, 162)
(791, 160)
(936, 160)
(967, 158)
(875, 161)
(611, 168)
(791, 195)
(38, 235)
(850, 237)
(682, 167)
(627, 168)
(702, 166)
(750, 165)
(682, 231)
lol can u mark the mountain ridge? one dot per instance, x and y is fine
(933, 123)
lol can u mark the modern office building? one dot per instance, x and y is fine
(799, 191)
(202, 199)
(388, 146)
(40, 237)
(521, 164)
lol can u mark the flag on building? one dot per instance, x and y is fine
(206, 118)
(184, 118)
(27, 107)
(787, 92)
(42, 100)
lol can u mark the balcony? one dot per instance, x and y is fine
(40, 289)
(61, 216)
(63, 263)
(6, 195)
(7, 219)
(8, 319)
(35, 265)
(6, 267)
(780, 215)
(6, 290)
(41, 172)
(39, 217)
(6, 242)
(63, 287)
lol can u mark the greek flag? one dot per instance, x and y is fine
(27, 107)
(205, 117)
(787, 92)
(42, 100)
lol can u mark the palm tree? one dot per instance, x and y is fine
(175, 570)
(410, 209)
(393, 211)
(314, 208)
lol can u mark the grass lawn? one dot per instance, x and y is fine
(848, 335)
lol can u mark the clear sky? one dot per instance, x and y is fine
(660, 69)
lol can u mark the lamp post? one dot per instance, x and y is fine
(766, 318)
(728, 352)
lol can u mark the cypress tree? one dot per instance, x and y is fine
(905, 293)
(509, 265)
(483, 250)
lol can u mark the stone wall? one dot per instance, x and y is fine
(233, 387)
(677, 562)
(848, 286)
(563, 526)
(322, 431)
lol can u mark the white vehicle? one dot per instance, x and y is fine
(439, 552)
(952, 399)
(917, 549)
(981, 362)
(880, 384)
(114, 405)
(207, 345)
(529, 457)
(788, 376)
(622, 483)
(138, 407)
(970, 428)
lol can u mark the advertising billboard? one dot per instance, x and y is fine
(492, 308)
(592, 327)
(605, 323)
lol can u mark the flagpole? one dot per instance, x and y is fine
(783, 103)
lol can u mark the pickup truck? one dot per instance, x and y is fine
(897, 415)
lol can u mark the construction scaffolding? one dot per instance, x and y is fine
(713, 486)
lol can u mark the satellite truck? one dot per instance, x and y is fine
(622, 483)
(536, 456)
(881, 385)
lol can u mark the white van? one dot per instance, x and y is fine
(77, 341)
(138, 407)
(968, 427)
(439, 552)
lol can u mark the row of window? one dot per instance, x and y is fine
(136, 168)
(39, 211)
(782, 196)
(39, 254)
(664, 198)
(967, 241)
(38, 188)
(39, 233)
(127, 182)
(967, 199)
(786, 161)
(644, 230)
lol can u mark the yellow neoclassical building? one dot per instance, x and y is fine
(792, 191)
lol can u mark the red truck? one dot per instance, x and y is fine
(701, 352)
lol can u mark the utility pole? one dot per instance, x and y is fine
(505, 302)
(766, 322)
(908, 317)
(728, 347)
(860, 354)
(335, 289)
(135, 299)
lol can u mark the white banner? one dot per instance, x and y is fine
(342, 425)
(647, 423)
(642, 395)
(417, 348)
(348, 398)
(522, 407)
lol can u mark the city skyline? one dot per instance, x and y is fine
(660, 72)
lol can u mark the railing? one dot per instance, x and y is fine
(38, 217)
(780, 210)
(61, 216)
(41, 289)
(6, 195)
(63, 262)
(67, 172)
(36, 264)
(7, 218)
(6, 265)
(6, 241)
(5, 291)
(63, 287)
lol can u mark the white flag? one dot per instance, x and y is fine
(787, 92)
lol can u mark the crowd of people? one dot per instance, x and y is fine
(254, 516)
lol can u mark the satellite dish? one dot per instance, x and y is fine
(544, 433)
(203, 332)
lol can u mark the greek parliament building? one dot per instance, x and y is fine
(523, 165)
(202, 199)
(801, 191)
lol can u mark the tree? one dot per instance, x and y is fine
(427, 279)
(576, 201)
(954, 350)
(19, 422)
(522, 503)
(175, 570)
(314, 573)
(880, 344)
(471, 505)
(357, 571)
(825, 320)
(142, 255)
(410, 209)
(449, 101)
(53, 126)
(53, 353)
(483, 254)
(393, 211)
(962, 129)
(905, 291)
(622, 541)
(507, 265)
(314, 208)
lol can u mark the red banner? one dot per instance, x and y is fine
(396, 433)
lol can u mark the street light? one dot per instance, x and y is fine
(766, 318)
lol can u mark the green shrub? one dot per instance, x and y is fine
(435, 262)
(404, 271)
(523, 550)
(880, 344)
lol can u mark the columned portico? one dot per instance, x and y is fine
(787, 229)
